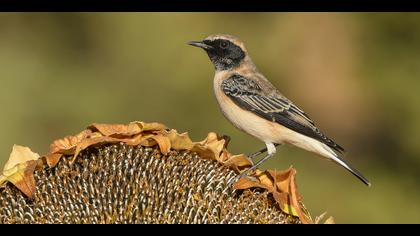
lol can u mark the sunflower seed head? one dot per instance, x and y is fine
(117, 183)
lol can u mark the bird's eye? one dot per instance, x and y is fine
(223, 44)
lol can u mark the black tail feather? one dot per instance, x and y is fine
(352, 170)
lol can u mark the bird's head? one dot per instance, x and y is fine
(225, 51)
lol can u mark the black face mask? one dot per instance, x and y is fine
(224, 54)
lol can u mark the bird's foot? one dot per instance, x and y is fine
(255, 154)
(244, 174)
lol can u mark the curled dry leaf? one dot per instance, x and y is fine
(85, 143)
(20, 154)
(303, 216)
(104, 133)
(141, 133)
(282, 186)
(210, 148)
(163, 142)
(152, 126)
(24, 179)
(119, 130)
(19, 170)
(66, 145)
(52, 159)
(116, 129)
(179, 141)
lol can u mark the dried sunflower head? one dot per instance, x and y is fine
(119, 183)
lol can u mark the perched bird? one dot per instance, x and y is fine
(252, 104)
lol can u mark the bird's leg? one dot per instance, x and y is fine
(271, 148)
(255, 154)
(255, 166)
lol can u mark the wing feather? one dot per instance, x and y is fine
(248, 94)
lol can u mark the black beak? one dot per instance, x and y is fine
(200, 44)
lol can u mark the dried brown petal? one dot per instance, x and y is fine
(52, 159)
(210, 148)
(179, 141)
(282, 179)
(152, 126)
(68, 144)
(282, 186)
(163, 142)
(19, 170)
(115, 129)
(20, 154)
(92, 141)
(295, 200)
(25, 181)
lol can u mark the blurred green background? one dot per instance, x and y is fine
(357, 75)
